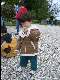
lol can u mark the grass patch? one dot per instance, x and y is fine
(13, 22)
(10, 23)
(35, 21)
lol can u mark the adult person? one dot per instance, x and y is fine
(22, 10)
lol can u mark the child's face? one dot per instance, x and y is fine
(26, 24)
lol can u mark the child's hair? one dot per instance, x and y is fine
(26, 17)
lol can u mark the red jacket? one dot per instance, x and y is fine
(21, 11)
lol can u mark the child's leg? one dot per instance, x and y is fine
(23, 61)
(33, 60)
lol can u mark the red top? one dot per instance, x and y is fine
(21, 11)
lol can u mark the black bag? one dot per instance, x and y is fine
(3, 29)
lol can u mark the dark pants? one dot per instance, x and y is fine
(24, 61)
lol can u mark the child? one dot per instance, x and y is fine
(27, 43)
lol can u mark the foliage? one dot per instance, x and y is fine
(54, 8)
(11, 2)
(7, 11)
(38, 8)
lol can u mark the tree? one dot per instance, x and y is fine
(38, 8)
(11, 2)
(54, 8)
(7, 11)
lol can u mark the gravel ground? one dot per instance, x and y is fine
(48, 58)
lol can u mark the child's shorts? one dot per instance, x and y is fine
(33, 60)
